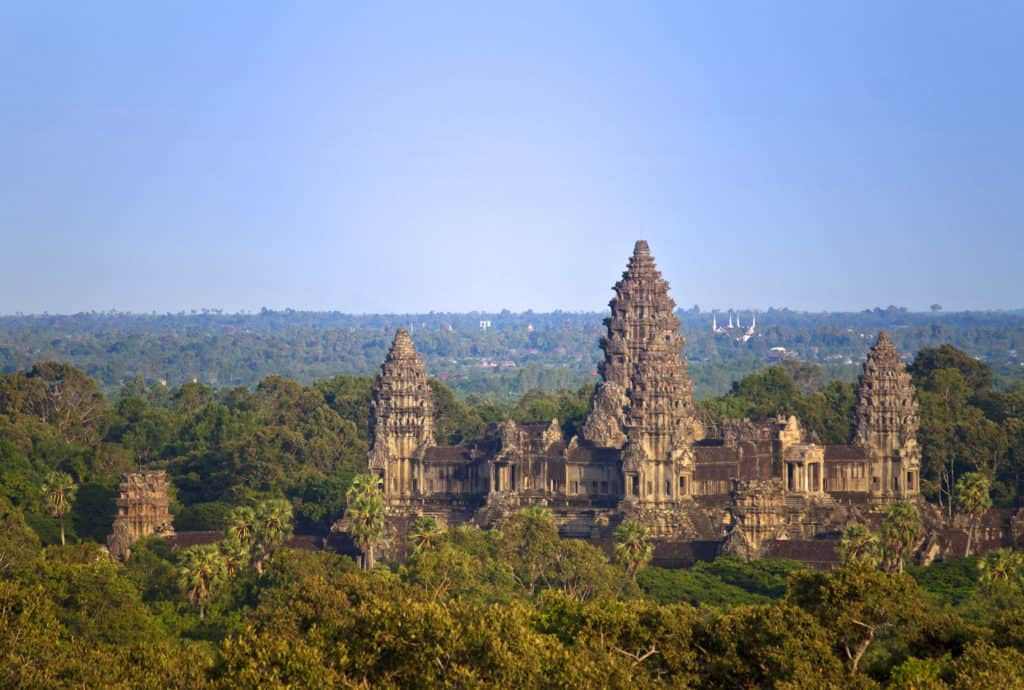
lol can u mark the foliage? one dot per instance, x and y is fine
(59, 493)
(973, 499)
(858, 544)
(364, 516)
(633, 548)
(901, 528)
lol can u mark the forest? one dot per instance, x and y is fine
(272, 464)
(519, 352)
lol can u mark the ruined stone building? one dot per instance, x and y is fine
(143, 508)
(643, 451)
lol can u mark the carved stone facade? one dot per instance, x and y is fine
(642, 452)
(143, 508)
(887, 423)
(402, 421)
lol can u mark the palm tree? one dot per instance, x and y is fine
(633, 548)
(273, 527)
(1002, 567)
(424, 533)
(236, 556)
(901, 528)
(201, 570)
(242, 526)
(858, 544)
(365, 515)
(972, 497)
(59, 493)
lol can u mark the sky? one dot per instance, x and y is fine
(415, 157)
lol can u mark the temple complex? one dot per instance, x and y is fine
(143, 508)
(643, 452)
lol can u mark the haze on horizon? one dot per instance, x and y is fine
(398, 158)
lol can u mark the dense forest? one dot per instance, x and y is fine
(510, 607)
(519, 352)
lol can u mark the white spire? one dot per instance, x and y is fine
(714, 323)
(730, 319)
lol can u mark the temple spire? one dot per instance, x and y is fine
(646, 396)
(887, 421)
(402, 422)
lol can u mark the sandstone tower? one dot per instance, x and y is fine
(402, 421)
(143, 508)
(644, 404)
(887, 423)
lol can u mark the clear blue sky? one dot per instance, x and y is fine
(436, 156)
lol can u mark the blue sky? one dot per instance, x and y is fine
(459, 156)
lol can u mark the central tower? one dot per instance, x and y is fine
(644, 405)
(887, 422)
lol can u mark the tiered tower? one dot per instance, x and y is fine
(143, 508)
(402, 420)
(887, 422)
(645, 403)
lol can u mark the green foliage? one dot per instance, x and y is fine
(633, 548)
(973, 499)
(201, 571)
(19, 544)
(364, 516)
(199, 517)
(858, 544)
(951, 583)
(901, 528)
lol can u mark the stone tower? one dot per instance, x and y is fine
(887, 423)
(402, 420)
(143, 508)
(644, 404)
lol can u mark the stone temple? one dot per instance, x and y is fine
(643, 452)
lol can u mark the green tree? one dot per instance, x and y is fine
(901, 528)
(855, 603)
(273, 528)
(364, 517)
(200, 572)
(424, 533)
(1002, 569)
(59, 493)
(973, 500)
(242, 526)
(19, 545)
(858, 544)
(633, 548)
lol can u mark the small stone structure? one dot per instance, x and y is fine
(143, 508)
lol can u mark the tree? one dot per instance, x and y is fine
(973, 500)
(855, 603)
(424, 533)
(1002, 569)
(242, 525)
(633, 548)
(59, 494)
(273, 527)
(901, 528)
(201, 571)
(364, 517)
(858, 544)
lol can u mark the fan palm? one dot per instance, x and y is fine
(59, 493)
(633, 548)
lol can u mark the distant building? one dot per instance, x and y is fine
(735, 329)
(484, 325)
